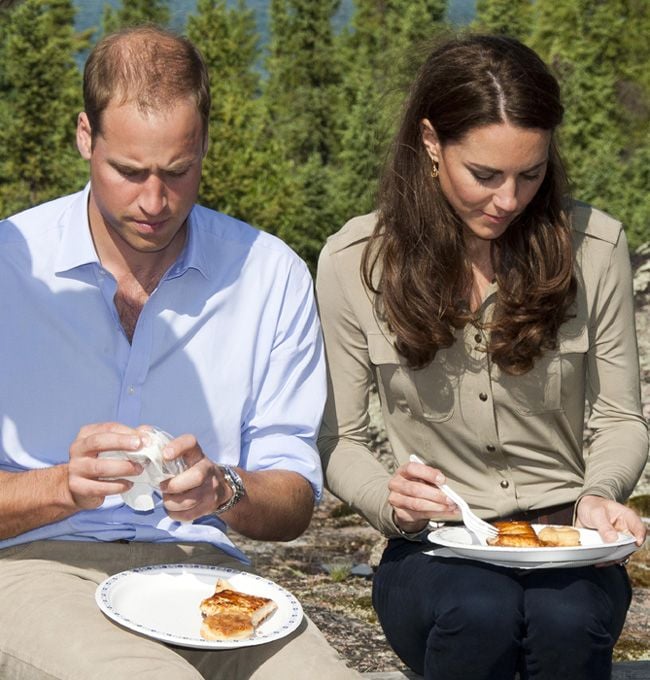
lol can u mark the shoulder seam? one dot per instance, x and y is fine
(595, 223)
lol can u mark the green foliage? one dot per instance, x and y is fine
(508, 17)
(41, 97)
(135, 12)
(303, 77)
(297, 150)
(300, 99)
(379, 53)
(244, 172)
(605, 134)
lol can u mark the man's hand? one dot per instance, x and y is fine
(278, 504)
(609, 517)
(416, 498)
(91, 479)
(197, 491)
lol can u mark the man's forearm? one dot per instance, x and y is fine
(31, 499)
(278, 506)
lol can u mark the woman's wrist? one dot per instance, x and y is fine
(412, 531)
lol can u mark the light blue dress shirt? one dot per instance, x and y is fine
(227, 348)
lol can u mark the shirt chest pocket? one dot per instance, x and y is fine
(555, 373)
(425, 394)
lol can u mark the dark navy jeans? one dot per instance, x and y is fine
(456, 619)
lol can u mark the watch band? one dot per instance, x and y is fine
(236, 485)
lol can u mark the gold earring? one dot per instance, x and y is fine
(434, 169)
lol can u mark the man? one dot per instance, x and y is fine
(128, 305)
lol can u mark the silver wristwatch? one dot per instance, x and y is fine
(236, 484)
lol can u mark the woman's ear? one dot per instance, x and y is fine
(430, 139)
(84, 136)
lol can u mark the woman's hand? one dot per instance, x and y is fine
(416, 498)
(609, 517)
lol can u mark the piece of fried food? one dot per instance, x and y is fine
(559, 536)
(229, 614)
(515, 535)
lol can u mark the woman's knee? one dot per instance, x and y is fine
(580, 608)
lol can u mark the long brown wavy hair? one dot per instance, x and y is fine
(416, 260)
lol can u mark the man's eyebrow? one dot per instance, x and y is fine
(180, 164)
(124, 165)
(488, 168)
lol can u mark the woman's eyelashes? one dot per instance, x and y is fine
(486, 178)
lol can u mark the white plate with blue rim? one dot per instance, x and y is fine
(162, 602)
(459, 542)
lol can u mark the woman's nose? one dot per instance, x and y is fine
(505, 198)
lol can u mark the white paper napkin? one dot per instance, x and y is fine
(156, 469)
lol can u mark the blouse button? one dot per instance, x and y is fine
(478, 337)
(491, 448)
(483, 396)
(504, 484)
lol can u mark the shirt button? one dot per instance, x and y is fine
(504, 484)
(491, 448)
(483, 396)
(478, 337)
(131, 389)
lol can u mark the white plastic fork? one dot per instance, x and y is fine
(480, 528)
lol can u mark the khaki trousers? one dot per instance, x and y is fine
(52, 629)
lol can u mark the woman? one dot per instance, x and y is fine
(485, 307)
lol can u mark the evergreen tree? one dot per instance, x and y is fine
(420, 22)
(303, 76)
(300, 99)
(41, 97)
(588, 44)
(244, 172)
(507, 17)
(381, 50)
(136, 12)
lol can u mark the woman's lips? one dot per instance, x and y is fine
(498, 219)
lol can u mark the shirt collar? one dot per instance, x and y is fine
(193, 254)
(77, 249)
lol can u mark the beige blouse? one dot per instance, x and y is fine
(506, 443)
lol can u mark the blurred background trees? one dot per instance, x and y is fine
(301, 120)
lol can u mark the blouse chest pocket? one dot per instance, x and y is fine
(425, 394)
(554, 374)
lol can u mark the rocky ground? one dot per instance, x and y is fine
(329, 567)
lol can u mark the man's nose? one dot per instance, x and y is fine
(153, 196)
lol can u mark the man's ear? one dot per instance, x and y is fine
(430, 139)
(84, 136)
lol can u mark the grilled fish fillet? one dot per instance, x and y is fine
(229, 614)
(515, 535)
